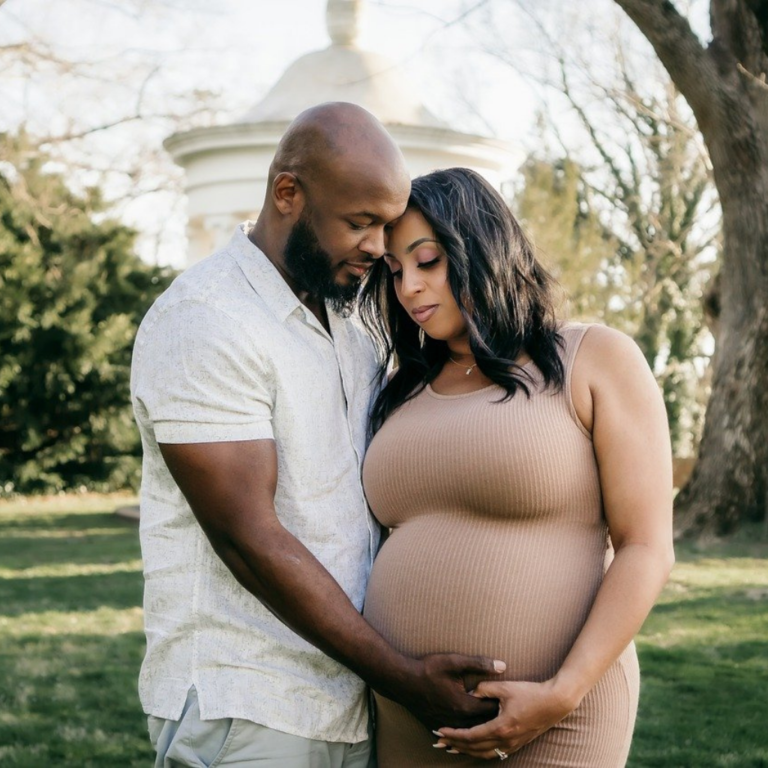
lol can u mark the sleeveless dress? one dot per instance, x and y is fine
(498, 547)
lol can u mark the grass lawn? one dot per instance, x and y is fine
(704, 661)
(71, 644)
(71, 638)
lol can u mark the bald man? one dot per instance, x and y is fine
(251, 386)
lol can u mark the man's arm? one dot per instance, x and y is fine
(230, 487)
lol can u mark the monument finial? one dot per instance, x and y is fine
(343, 21)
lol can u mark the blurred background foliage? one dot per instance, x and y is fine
(73, 293)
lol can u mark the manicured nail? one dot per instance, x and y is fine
(499, 666)
(437, 733)
(439, 746)
(452, 752)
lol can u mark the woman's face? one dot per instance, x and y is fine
(420, 270)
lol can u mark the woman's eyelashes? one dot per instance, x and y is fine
(420, 265)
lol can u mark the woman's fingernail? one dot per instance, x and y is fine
(499, 666)
(452, 752)
(439, 746)
(437, 733)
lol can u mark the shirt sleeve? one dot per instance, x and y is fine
(198, 378)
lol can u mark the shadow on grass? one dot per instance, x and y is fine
(68, 539)
(712, 619)
(69, 593)
(62, 520)
(71, 699)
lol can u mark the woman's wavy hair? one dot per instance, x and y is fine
(506, 297)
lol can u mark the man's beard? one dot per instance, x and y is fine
(311, 267)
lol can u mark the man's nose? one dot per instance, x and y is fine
(373, 244)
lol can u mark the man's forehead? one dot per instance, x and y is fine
(363, 171)
(385, 209)
(364, 193)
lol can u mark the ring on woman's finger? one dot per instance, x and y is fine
(502, 755)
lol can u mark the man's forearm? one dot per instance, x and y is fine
(288, 580)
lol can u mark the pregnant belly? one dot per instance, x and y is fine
(514, 591)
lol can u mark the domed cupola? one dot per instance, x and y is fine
(226, 166)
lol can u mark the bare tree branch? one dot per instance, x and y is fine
(758, 81)
(679, 50)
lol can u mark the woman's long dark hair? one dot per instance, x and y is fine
(505, 295)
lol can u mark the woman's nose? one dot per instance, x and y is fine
(411, 283)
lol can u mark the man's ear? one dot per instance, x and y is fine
(287, 194)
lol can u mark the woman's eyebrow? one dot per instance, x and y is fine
(417, 243)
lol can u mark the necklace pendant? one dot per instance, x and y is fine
(469, 370)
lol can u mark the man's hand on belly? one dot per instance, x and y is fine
(434, 690)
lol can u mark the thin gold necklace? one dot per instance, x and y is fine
(461, 365)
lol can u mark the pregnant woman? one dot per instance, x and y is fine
(524, 469)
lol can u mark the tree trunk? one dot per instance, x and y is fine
(729, 483)
(725, 86)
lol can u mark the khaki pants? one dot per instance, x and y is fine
(230, 742)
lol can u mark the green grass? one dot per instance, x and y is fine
(71, 637)
(704, 662)
(71, 643)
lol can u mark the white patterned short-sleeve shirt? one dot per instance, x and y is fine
(228, 352)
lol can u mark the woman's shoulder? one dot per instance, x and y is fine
(604, 339)
(596, 336)
(604, 352)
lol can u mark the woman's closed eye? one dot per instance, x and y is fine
(423, 265)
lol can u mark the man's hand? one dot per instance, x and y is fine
(435, 690)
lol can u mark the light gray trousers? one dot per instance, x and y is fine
(195, 743)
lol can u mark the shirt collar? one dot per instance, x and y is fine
(262, 274)
(264, 278)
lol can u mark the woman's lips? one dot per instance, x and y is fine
(422, 314)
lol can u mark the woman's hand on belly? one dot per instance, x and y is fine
(526, 710)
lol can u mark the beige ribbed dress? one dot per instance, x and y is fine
(499, 545)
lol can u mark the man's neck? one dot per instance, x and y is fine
(259, 236)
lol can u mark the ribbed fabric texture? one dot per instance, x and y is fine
(499, 545)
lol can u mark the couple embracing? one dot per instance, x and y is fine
(423, 539)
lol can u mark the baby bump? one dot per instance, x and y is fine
(513, 591)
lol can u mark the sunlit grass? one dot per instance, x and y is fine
(71, 637)
(71, 643)
(704, 658)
